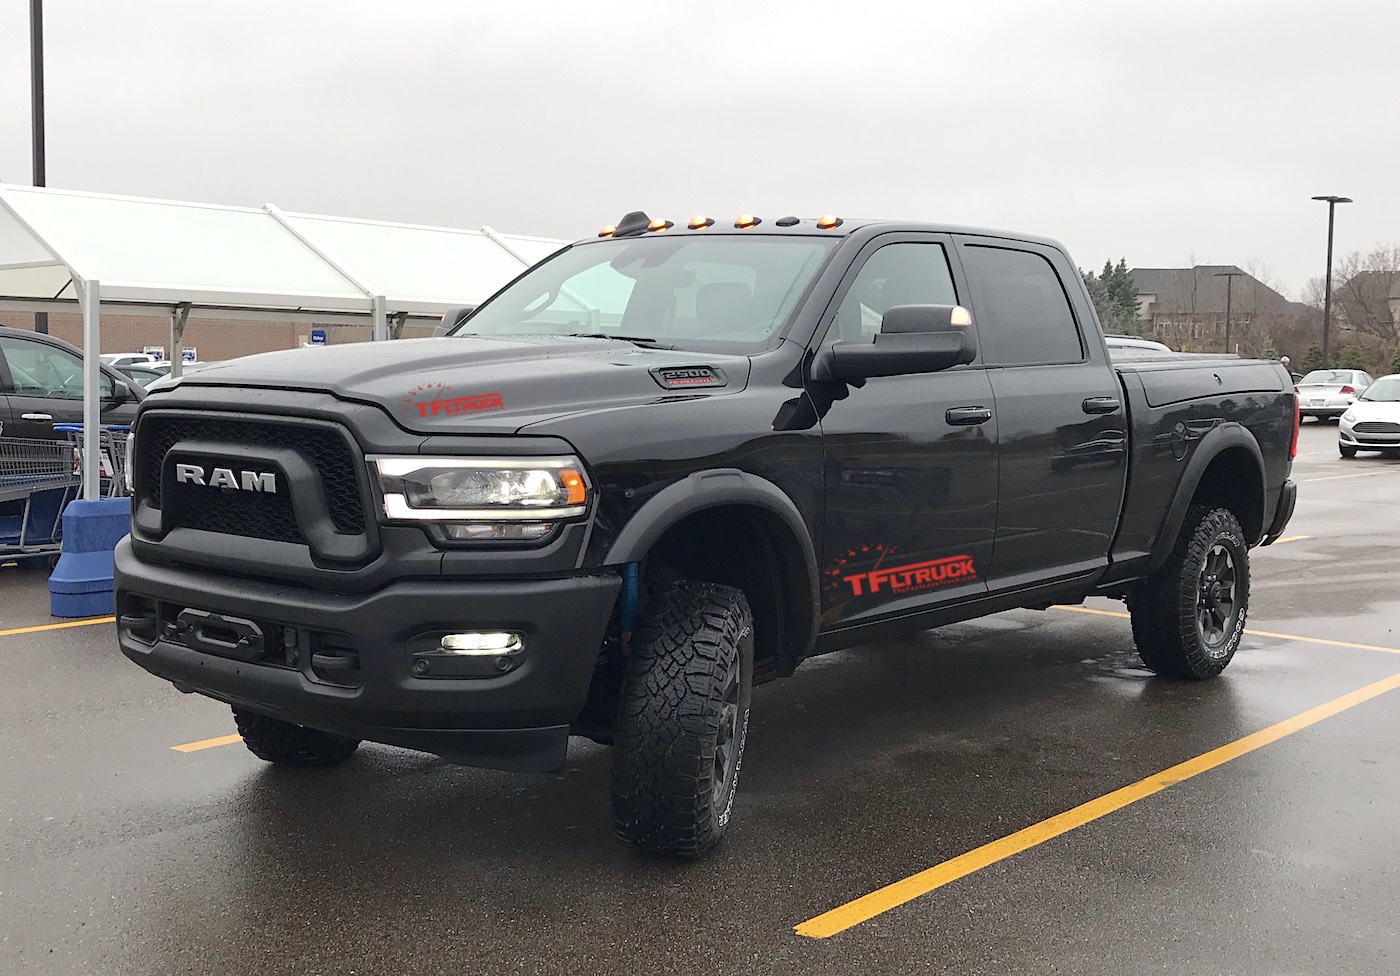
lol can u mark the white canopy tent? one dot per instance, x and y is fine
(62, 248)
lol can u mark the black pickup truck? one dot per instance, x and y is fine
(672, 462)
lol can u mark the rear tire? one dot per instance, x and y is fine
(1346, 452)
(683, 721)
(285, 744)
(1189, 617)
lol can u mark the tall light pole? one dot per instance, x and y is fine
(36, 96)
(1331, 200)
(1229, 277)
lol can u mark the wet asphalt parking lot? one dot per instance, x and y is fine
(1039, 802)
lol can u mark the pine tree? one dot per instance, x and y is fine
(1270, 351)
(1312, 359)
(1395, 361)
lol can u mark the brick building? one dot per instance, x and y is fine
(214, 339)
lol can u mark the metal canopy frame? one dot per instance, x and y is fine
(182, 259)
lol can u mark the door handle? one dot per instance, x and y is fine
(36, 416)
(968, 416)
(1101, 405)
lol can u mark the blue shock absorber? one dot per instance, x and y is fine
(627, 608)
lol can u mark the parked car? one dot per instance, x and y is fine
(1373, 422)
(141, 373)
(41, 384)
(1327, 393)
(119, 359)
(658, 468)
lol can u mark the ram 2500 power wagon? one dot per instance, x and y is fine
(669, 463)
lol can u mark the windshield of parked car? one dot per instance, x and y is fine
(1327, 377)
(723, 293)
(1385, 389)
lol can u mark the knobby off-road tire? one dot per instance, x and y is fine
(1188, 618)
(683, 721)
(286, 744)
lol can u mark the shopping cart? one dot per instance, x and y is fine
(111, 442)
(37, 479)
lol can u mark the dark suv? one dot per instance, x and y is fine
(41, 384)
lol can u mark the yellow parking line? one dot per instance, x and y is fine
(72, 623)
(1254, 633)
(1291, 538)
(891, 896)
(223, 740)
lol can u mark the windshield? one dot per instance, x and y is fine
(1386, 389)
(724, 293)
(1327, 377)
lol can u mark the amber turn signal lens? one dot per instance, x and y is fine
(660, 225)
(573, 481)
(745, 221)
(700, 223)
(828, 221)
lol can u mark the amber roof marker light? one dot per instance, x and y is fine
(607, 231)
(700, 223)
(658, 225)
(745, 221)
(829, 222)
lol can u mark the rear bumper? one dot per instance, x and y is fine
(515, 720)
(1287, 500)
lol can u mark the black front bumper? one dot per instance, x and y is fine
(516, 720)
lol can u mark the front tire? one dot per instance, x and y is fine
(285, 744)
(1189, 617)
(683, 721)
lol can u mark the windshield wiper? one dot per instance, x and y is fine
(636, 340)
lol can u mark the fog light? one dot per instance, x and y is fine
(498, 531)
(481, 644)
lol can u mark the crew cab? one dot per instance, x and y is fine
(670, 462)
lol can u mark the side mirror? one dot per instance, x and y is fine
(121, 393)
(912, 339)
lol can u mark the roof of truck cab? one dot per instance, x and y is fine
(849, 227)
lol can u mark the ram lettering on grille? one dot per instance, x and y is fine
(224, 478)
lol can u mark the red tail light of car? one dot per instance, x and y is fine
(1297, 419)
(1348, 389)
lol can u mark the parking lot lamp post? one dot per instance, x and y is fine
(1332, 200)
(1229, 277)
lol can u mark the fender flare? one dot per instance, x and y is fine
(1213, 444)
(712, 489)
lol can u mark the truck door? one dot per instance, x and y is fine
(1062, 447)
(910, 461)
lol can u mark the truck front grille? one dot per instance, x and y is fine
(326, 447)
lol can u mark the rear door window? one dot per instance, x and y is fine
(1025, 318)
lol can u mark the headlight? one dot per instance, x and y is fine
(128, 451)
(488, 498)
(1349, 416)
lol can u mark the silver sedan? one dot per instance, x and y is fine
(1328, 393)
(1373, 421)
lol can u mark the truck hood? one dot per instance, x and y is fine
(481, 386)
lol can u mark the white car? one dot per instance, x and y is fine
(1327, 393)
(117, 360)
(1372, 423)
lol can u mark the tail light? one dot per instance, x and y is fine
(1348, 389)
(1296, 390)
(1297, 419)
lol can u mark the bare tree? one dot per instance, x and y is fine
(1366, 292)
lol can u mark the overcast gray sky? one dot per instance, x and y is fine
(1154, 130)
